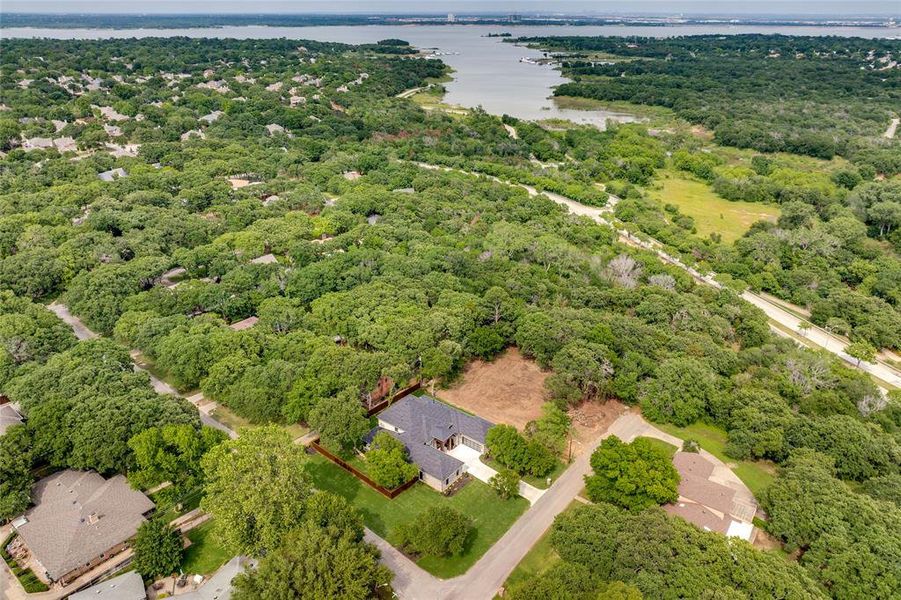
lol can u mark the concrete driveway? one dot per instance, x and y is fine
(482, 472)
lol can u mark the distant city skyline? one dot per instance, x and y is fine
(818, 8)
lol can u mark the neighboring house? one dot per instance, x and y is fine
(212, 117)
(244, 324)
(266, 259)
(38, 143)
(9, 416)
(79, 520)
(429, 429)
(128, 586)
(706, 503)
(112, 174)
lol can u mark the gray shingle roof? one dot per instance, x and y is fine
(128, 586)
(422, 419)
(9, 416)
(78, 515)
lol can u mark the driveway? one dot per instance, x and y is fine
(482, 472)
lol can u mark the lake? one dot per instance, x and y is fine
(487, 71)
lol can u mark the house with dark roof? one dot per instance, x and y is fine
(79, 520)
(429, 429)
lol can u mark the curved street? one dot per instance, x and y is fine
(817, 336)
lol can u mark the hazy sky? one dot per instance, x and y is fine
(662, 7)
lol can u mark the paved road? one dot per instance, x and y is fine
(80, 329)
(823, 339)
(161, 387)
(487, 576)
(816, 336)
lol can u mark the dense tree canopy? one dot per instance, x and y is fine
(633, 476)
(256, 489)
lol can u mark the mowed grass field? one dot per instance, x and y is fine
(490, 515)
(711, 213)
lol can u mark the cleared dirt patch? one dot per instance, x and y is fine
(591, 419)
(510, 390)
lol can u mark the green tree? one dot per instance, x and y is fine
(582, 371)
(551, 429)
(633, 476)
(256, 489)
(563, 581)
(506, 483)
(158, 549)
(170, 453)
(325, 509)
(436, 531)
(315, 562)
(512, 450)
(862, 351)
(387, 461)
(680, 392)
(15, 471)
(340, 421)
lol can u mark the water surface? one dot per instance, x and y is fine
(487, 71)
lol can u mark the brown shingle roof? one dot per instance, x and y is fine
(690, 464)
(710, 494)
(79, 515)
(698, 515)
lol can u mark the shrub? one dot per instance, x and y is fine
(505, 483)
(436, 531)
(387, 461)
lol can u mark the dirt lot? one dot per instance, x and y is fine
(591, 419)
(510, 390)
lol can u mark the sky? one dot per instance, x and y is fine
(658, 7)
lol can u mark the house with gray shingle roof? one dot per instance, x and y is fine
(128, 586)
(429, 429)
(79, 519)
(9, 416)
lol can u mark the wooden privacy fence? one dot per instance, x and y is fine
(400, 394)
(390, 494)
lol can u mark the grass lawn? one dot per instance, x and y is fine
(491, 515)
(539, 559)
(756, 474)
(711, 213)
(660, 444)
(204, 555)
(228, 418)
(539, 482)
